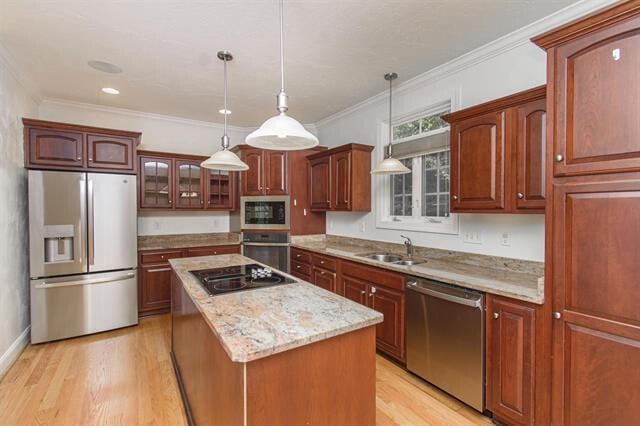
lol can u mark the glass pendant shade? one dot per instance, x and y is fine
(282, 133)
(224, 160)
(390, 166)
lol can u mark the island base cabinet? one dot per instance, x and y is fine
(305, 385)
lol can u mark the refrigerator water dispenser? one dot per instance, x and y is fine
(58, 243)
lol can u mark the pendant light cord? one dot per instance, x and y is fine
(225, 137)
(282, 46)
(389, 149)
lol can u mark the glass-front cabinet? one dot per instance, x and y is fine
(156, 182)
(189, 184)
(220, 189)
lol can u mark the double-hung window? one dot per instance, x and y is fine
(419, 200)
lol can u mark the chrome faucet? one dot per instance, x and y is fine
(409, 245)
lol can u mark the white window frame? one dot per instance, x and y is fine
(416, 222)
(434, 109)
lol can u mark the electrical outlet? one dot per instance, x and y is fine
(472, 237)
(505, 239)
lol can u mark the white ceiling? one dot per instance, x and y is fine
(336, 50)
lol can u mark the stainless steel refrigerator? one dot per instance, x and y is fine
(83, 253)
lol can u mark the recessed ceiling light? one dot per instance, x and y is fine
(224, 111)
(110, 90)
(105, 67)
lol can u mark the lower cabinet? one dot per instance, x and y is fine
(510, 355)
(324, 278)
(154, 277)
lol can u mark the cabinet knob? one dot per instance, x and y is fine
(559, 158)
(520, 195)
(496, 315)
(321, 272)
(297, 266)
(90, 159)
(78, 158)
(170, 201)
(557, 315)
(215, 252)
(362, 292)
(455, 197)
(297, 255)
(322, 262)
(373, 290)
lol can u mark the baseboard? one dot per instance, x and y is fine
(11, 355)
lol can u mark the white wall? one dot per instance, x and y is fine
(159, 133)
(507, 72)
(15, 102)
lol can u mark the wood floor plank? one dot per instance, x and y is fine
(125, 377)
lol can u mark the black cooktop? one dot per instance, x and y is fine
(238, 278)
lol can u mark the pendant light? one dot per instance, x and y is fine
(224, 159)
(282, 132)
(390, 166)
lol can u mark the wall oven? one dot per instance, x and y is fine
(270, 248)
(270, 212)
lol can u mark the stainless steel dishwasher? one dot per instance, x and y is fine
(445, 338)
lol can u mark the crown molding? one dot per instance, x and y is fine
(31, 89)
(136, 113)
(483, 53)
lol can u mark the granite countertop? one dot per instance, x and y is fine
(254, 324)
(517, 279)
(161, 242)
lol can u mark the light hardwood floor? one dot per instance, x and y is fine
(125, 377)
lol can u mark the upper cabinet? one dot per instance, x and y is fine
(174, 181)
(597, 91)
(340, 178)
(267, 174)
(498, 155)
(61, 146)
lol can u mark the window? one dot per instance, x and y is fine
(419, 201)
(420, 127)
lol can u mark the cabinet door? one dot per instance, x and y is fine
(531, 141)
(252, 179)
(596, 332)
(54, 148)
(189, 184)
(275, 172)
(156, 183)
(355, 289)
(477, 163)
(341, 183)
(510, 360)
(155, 288)
(389, 333)
(220, 189)
(597, 102)
(320, 183)
(324, 279)
(110, 152)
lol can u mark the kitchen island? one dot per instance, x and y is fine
(287, 354)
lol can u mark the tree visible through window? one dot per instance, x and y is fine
(419, 126)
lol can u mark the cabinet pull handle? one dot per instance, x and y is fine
(559, 158)
(373, 290)
(362, 292)
(297, 266)
(496, 315)
(321, 272)
(520, 195)
(297, 255)
(322, 262)
(557, 315)
(159, 270)
(78, 158)
(455, 197)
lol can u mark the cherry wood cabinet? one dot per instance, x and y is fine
(510, 359)
(63, 146)
(154, 277)
(267, 174)
(320, 183)
(110, 152)
(498, 155)
(592, 253)
(324, 278)
(170, 181)
(155, 180)
(340, 179)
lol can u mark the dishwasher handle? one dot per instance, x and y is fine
(474, 303)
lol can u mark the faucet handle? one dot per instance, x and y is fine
(406, 238)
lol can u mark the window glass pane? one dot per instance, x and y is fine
(407, 205)
(430, 182)
(433, 122)
(406, 129)
(443, 205)
(430, 205)
(397, 207)
(400, 191)
(431, 161)
(435, 184)
(443, 178)
(444, 158)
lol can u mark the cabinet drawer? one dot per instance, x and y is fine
(159, 256)
(324, 262)
(300, 256)
(372, 274)
(212, 250)
(304, 277)
(300, 268)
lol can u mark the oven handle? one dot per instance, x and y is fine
(267, 244)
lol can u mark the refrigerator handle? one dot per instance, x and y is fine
(81, 221)
(90, 219)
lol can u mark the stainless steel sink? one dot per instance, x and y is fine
(383, 257)
(409, 262)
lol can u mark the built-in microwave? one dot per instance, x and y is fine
(269, 212)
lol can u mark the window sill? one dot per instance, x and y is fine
(448, 227)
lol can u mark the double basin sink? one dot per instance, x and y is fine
(392, 258)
